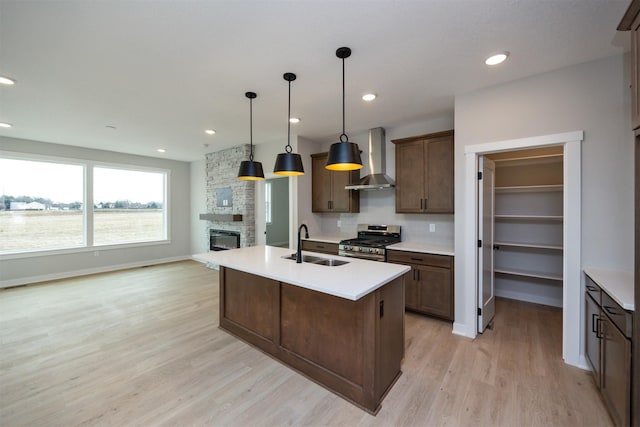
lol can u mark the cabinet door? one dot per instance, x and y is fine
(434, 291)
(616, 373)
(439, 175)
(344, 200)
(320, 184)
(592, 341)
(410, 176)
(410, 290)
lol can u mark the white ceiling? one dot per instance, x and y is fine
(162, 72)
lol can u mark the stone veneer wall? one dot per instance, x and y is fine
(222, 172)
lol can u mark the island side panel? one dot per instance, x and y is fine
(390, 333)
(324, 329)
(249, 306)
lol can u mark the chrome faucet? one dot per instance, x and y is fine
(306, 236)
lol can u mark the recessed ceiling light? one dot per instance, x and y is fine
(369, 97)
(496, 59)
(7, 81)
(5, 125)
(294, 120)
(161, 150)
(210, 131)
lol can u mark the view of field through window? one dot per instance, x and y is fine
(42, 206)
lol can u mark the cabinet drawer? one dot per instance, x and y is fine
(619, 317)
(322, 247)
(594, 290)
(403, 257)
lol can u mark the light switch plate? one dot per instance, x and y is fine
(432, 228)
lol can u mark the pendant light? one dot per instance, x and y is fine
(250, 170)
(343, 155)
(288, 163)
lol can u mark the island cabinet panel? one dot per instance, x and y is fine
(337, 342)
(353, 348)
(249, 303)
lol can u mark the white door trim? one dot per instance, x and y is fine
(572, 328)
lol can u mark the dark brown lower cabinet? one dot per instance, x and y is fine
(608, 350)
(322, 247)
(616, 372)
(429, 284)
(353, 348)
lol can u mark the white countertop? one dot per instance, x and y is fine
(618, 284)
(426, 248)
(351, 281)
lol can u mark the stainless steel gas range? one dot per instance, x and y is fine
(371, 242)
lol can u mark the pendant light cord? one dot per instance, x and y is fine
(251, 128)
(343, 137)
(288, 148)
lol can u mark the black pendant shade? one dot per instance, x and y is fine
(344, 155)
(250, 170)
(288, 163)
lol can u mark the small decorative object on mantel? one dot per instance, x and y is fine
(224, 197)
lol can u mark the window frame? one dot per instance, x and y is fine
(88, 202)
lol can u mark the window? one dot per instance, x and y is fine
(41, 206)
(267, 202)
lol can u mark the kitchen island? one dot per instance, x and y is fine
(341, 326)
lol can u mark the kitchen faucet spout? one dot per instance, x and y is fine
(306, 236)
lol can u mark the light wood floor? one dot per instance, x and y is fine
(142, 347)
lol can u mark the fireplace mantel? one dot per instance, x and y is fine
(221, 217)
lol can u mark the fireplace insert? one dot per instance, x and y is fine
(221, 240)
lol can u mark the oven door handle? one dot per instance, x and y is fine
(359, 256)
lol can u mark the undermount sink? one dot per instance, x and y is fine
(318, 260)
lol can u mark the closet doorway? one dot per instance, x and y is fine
(521, 200)
(468, 288)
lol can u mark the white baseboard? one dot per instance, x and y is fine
(67, 274)
(461, 329)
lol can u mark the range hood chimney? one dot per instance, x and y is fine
(376, 178)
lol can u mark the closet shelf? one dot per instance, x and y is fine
(524, 273)
(529, 245)
(535, 218)
(528, 160)
(530, 188)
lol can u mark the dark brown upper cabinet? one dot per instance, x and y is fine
(327, 187)
(424, 173)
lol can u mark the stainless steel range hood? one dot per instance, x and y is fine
(376, 178)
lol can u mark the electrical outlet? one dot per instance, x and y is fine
(96, 253)
(339, 223)
(432, 228)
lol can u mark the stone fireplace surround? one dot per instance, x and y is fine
(222, 172)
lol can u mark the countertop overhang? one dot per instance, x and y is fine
(618, 284)
(351, 281)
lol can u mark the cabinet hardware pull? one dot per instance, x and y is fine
(599, 331)
(415, 259)
(594, 321)
(417, 275)
(421, 200)
(611, 310)
(382, 309)
(592, 288)
(426, 204)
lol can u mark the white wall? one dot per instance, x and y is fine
(592, 97)
(198, 185)
(15, 271)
